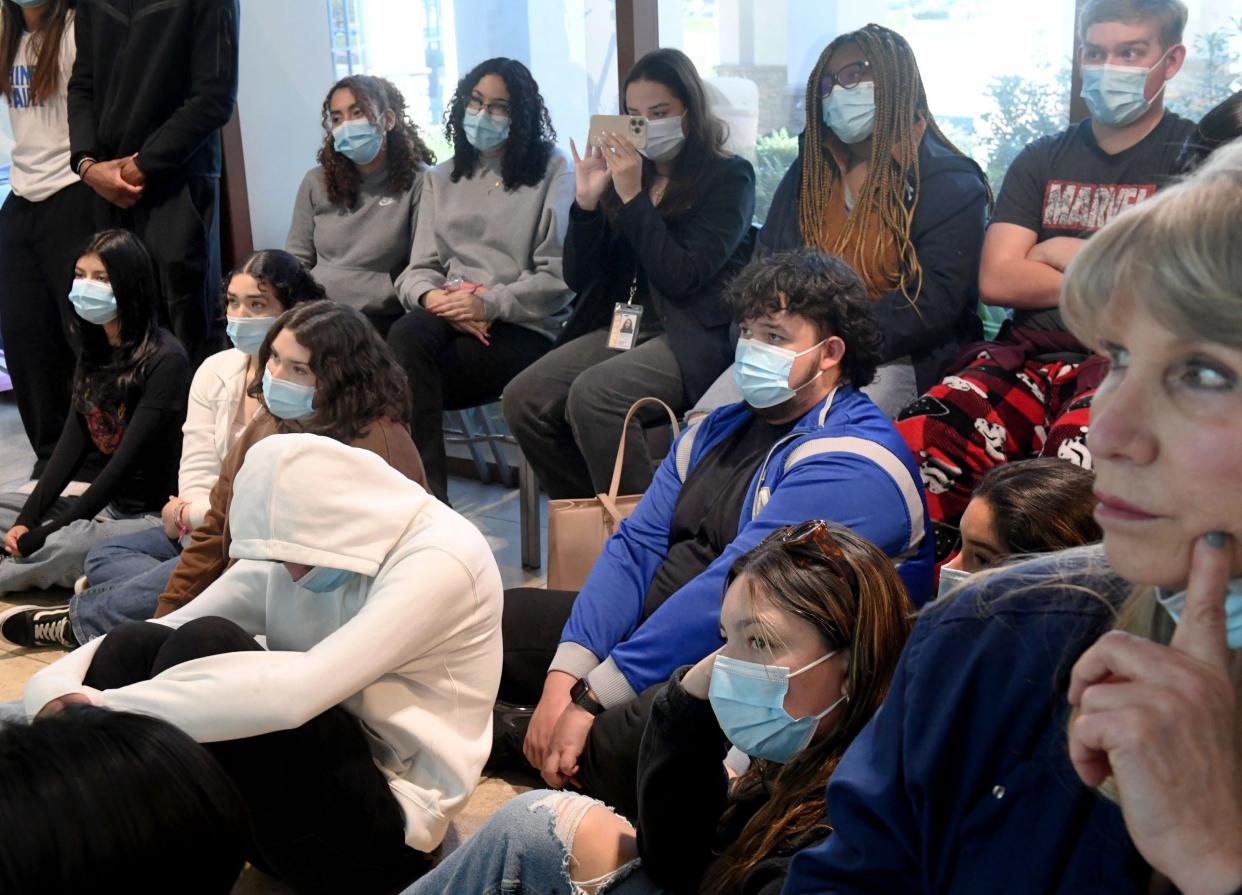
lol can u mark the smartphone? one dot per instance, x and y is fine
(632, 127)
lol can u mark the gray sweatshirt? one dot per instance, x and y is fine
(354, 254)
(509, 242)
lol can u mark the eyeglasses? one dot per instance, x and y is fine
(849, 77)
(816, 533)
(497, 109)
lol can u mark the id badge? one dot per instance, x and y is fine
(626, 319)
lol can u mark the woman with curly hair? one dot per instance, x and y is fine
(326, 372)
(484, 291)
(661, 231)
(125, 573)
(353, 219)
(814, 619)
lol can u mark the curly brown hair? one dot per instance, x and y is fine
(357, 379)
(405, 148)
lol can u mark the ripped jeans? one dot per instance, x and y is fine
(525, 850)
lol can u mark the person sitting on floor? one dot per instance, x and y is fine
(325, 371)
(814, 620)
(129, 400)
(97, 800)
(360, 729)
(806, 443)
(1031, 506)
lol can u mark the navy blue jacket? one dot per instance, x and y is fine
(947, 234)
(687, 260)
(843, 461)
(962, 782)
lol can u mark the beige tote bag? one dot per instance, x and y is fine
(578, 527)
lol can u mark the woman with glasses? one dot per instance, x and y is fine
(814, 619)
(483, 292)
(353, 218)
(654, 235)
(878, 183)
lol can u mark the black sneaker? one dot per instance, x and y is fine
(33, 626)
(509, 723)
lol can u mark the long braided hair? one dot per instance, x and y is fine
(883, 211)
(406, 151)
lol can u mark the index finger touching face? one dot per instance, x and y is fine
(1202, 630)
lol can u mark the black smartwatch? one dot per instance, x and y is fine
(580, 695)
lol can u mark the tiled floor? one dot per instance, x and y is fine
(493, 508)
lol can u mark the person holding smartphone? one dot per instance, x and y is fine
(653, 235)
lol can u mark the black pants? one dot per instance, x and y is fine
(531, 628)
(324, 818)
(180, 225)
(449, 370)
(39, 245)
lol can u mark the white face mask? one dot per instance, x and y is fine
(1114, 94)
(664, 139)
(851, 113)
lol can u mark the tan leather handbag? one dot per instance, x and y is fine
(578, 527)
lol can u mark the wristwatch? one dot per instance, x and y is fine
(580, 695)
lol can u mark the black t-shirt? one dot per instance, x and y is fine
(707, 511)
(1066, 185)
(141, 436)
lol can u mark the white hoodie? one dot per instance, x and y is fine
(410, 646)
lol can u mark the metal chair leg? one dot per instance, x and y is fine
(528, 513)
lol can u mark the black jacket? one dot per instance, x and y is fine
(686, 260)
(686, 814)
(947, 234)
(156, 77)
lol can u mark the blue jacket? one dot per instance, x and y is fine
(962, 780)
(843, 461)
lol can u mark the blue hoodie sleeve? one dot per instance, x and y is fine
(962, 775)
(947, 235)
(610, 605)
(838, 487)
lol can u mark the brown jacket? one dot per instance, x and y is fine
(207, 556)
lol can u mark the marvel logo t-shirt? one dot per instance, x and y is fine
(1066, 185)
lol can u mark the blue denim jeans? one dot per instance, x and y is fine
(127, 576)
(524, 850)
(58, 563)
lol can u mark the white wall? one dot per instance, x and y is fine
(286, 67)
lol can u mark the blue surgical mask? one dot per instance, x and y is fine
(1114, 93)
(248, 333)
(761, 372)
(483, 131)
(749, 701)
(664, 139)
(950, 580)
(93, 301)
(1175, 603)
(287, 400)
(324, 579)
(358, 140)
(851, 113)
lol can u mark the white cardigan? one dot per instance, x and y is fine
(215, 396)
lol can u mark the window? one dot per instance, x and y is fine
(425, 46)
(1213, 69)
(997, 74)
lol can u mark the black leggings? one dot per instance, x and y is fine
(323, 816)
(531, 627)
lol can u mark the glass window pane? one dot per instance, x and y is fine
(1213, 69)
(997, 74)
(425, 46)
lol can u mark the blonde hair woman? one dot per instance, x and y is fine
(964, 776)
